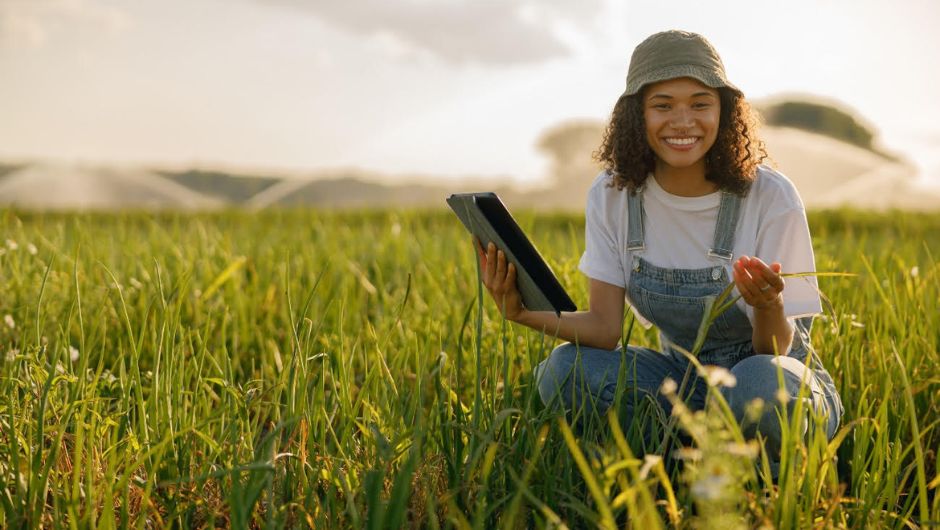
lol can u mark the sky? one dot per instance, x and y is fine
(440, 88)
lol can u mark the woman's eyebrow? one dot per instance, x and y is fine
(669, 96)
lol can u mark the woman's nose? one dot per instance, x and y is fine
(681, 118)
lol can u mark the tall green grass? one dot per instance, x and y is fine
(335, 370)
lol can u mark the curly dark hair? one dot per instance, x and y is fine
(731, 163)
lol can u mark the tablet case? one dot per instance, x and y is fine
(485, 216)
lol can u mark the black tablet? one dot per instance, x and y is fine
(485, 216)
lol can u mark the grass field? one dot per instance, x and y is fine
(331, 370)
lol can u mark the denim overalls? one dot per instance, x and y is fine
(675, 301)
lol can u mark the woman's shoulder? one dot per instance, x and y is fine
(772, 188)
(603, 190)
(603, 180)
(605, 201)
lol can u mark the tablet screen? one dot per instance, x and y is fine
(496, 213)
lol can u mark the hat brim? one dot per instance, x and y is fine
(706, 76)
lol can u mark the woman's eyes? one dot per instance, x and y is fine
(696, 106)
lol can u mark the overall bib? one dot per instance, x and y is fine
(675, 301)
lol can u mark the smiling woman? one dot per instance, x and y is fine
(682, 211)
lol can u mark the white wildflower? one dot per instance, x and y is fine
(73, 353)
(719, 376)
(688, 453)
(11, 355)
(648, 462)
(915, 271)
(782, 396)
(12, 244)
(710, 487)
(669, 386)
(746, 450)
(8, 320)
(754, 409)
(59, 369)
(31, 248)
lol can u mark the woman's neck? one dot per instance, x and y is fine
(685, 181)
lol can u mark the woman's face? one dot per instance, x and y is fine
(682, 118)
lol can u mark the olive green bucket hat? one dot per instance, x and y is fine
(672, 54)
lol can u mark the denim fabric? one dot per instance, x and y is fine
(675, 300)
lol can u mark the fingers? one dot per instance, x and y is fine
(499, 277)
(511, 276)
(766, 275)
(759, 284)
(744, 281)
(500, 266)
(498, 274)
(759, 273)
(490, 271)
(480, 254)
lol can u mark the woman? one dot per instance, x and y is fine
(683, 208)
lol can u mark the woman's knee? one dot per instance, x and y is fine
(756, 378)
(555, 373)
(573, 374)
(767, 389)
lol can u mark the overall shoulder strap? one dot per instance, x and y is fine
(728, 212)
(635, 214)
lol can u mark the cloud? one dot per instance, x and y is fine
(460, 31)
(31, 23)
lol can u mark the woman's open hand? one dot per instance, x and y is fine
(499, 278)
(759, 284)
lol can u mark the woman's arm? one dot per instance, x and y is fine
(761, 286)
(600, 326)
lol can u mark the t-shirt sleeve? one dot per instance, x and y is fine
(785, 238)
(601, 258)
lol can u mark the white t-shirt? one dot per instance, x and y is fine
(679, 231)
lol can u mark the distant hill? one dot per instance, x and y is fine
(830, 173)
(228, 187)
(77, 187)
(354, 188)
(354, 192)
(6, 169)
(827, 119)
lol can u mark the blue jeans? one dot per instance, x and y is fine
(586, 379)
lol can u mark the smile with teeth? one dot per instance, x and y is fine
(681, 141)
